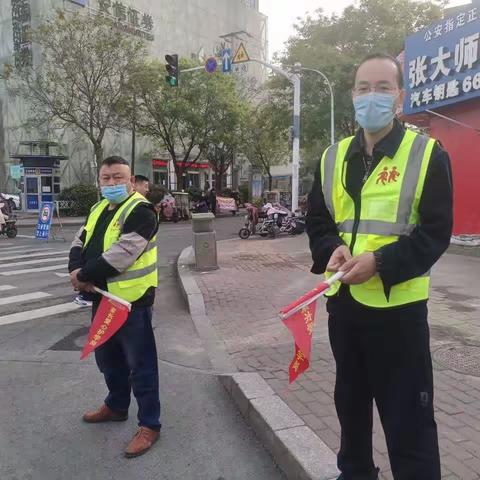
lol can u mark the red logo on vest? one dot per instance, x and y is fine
(387, 176)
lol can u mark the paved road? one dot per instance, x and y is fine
(44, 388)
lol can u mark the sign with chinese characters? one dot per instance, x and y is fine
(44, 222)
(127, 18)
(442, 63)
(21, 23)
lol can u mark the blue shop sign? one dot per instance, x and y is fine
(442, 63)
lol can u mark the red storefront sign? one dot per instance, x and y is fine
(164, 163)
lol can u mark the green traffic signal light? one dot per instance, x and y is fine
(172, 69)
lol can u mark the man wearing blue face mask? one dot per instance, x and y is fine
(380, 210)
(116, 251)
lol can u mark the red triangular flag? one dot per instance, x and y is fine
(110, 316)
(301, 325)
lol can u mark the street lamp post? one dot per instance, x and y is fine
(332, 101)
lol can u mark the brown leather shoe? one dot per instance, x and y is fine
(104, 414)
(141, 442)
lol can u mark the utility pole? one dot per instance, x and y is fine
(296, 82)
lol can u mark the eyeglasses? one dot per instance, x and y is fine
(366, 89)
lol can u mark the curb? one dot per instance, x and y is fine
(296, 449)
(33, 222)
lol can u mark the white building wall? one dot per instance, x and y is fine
(186, 27)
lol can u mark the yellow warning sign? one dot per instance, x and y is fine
(241, 56)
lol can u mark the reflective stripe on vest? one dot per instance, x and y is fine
(139, 277)
(384, 225)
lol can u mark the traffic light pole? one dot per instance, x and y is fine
(293, 78)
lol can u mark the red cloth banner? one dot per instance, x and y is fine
(110, 316)
(301, 325)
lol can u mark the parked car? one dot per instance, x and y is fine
(13, 200)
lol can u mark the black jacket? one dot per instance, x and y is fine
(411, 255)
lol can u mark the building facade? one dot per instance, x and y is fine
(194, 29)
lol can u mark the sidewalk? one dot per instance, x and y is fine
(257, 277)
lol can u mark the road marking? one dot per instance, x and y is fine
(26, 236)
(4, 288)
(7, 244)
(61, 275)
(23, 249)
(23, 298)
(33, 270)
(33, 262)
(39, 313)
(16, 257)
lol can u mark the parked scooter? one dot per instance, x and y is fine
(10, 228)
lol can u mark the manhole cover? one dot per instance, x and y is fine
(461, 358)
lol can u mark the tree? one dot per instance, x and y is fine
(186, 119)
(335, 44)
(231, 121)
(266, 145)
(82, 78)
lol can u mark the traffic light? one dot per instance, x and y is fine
(172, 69)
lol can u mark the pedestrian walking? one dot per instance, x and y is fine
(116, 251)
(380, 210)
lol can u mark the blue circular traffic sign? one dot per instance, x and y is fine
(211, 65)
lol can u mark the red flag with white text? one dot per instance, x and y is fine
(110, 317)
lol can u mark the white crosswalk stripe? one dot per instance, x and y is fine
(38, 284)
(33, 262)
(33, 270)
(23, 298)
(29, 255)
(4, 288)
(38, 313)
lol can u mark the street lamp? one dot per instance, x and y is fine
(332, 101)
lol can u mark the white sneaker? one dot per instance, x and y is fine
(79, 300)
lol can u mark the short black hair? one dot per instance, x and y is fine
(141, 178)
(155, 196)
(383, 56)
(115, 160)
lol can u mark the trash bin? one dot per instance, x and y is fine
(204, 241)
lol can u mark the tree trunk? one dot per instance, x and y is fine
(270, 180)
(132, 161)
(98, 149)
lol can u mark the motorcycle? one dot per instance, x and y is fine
(10, 228)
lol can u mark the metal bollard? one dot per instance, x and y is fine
(204, 241)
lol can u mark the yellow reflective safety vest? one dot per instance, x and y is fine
(131, 284)
(389, 209)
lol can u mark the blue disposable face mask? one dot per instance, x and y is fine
(115, 193)
(374, 111)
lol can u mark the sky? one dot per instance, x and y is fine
(282, 15)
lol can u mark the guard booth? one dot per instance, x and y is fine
(40, 181)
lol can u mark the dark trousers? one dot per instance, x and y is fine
(384, 355)
(128, 362)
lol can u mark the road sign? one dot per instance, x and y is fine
(44, 223)
(226, 60)
(241, 56)
(211, 65)
(16, 172)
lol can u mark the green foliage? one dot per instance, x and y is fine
(205, 110)
(81, 198)
(83, 77)
(335, 45)
(194, 193)
(244, 193)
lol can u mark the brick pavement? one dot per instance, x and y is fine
(258, 276)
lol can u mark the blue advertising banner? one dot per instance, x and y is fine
(44, 223)
(83, 3)
(442, 63)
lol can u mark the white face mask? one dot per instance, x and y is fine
(374, 111)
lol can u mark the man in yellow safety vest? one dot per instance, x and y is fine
(116, 250)
(380, 210)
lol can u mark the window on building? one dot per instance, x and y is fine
(193, 180)
(160, 178)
